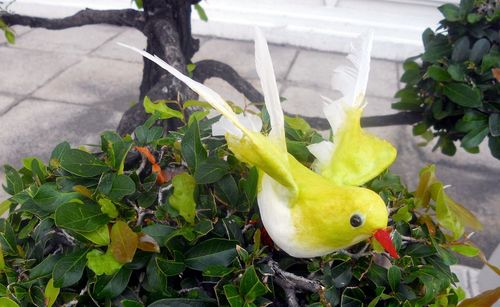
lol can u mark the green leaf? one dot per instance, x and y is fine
(191, 147)
(457, 72)
(124, 242)
(473, 18)
(217, 271)
(210, 171)
(227, 190)
(131, 303)
(437, 49)
(116, 149)
(81, 163)
(445, 216)
(494, 145)
(451, 12)
(49, 199)
(160, 107)
(438, 73)
(7, 302)
(80, 217)
(201, 12)
(466, 250)
(233, 296)
(184, 302)
(112, 286)
(100, 236)
(14, 181)
(394, 277)
(2, 260)
(10, 36)
(211, 252)
(55, 156)
(461, 50)
(170, 267)
(182, 199)
(44, 268)
(479, 49)
(490, 60)
(122, 186)
(475, 137)
(463, 95)
(158, 231)
(69, 269)
(402, 214)
(250, 285)
(4, 206)
(108, 207)
(342, 274)
(51, 293)
(494, 124)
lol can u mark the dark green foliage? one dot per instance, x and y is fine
(101, 228)
(455, 83)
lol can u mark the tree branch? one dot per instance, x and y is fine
(207, 69)
(126, 17)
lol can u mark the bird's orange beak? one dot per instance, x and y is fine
(383, 237)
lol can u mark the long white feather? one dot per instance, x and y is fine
(267, 77)
(214, 99)
(351, 80)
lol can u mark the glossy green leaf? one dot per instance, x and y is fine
(7, 302)
(184, 302)
(394, 277)
(461, 50)
(182, 199)
(110, 286)
(211, 252)
(463, 95)
(13, 180)
(116, 149)
(475, 137)
(48, 198)
(494, 124)
(494, 145)
(438, 73)
(170, 267)
(250, 285)
(80, 217)
(81, 163)
(210, 171)
(121, 186)
(69, 269)
(457, 72)
(450, 11)
(192, 149)
(479, 49)
(233, 296)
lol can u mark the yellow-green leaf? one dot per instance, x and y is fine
(51, 293)
(102, 263)
(123, 242)
(99, 236)
(2, 260)
(182, 199)
(466, 250)
(487, 298)
(4, 206)
(427, 177)
(7, 302)
(446, 217)
(161, 108)
(467, 217)
(108, 207)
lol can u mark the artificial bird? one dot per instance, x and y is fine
(305, 213)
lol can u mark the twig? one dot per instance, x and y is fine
(359, 254)
(291, 298)
(74, 302)
(189, 289)
(161, 191)
(297, 281)
(126, 17)
(207, 69)
(410, 239)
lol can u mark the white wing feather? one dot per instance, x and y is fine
(214, 99)
(267, 77)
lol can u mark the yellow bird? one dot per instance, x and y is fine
(305, 213)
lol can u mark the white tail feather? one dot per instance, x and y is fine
(351, 80)
(267, 77)
(214, 99)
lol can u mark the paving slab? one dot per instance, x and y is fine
(306, 101)
(112, 50)
(35, 127)
(315, 68)
(26, 70)
(240, 55)
(78, 40)
(6, 101)
(106, 83)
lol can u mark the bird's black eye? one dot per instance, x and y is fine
(356, 220)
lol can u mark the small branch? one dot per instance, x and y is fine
(295, 280)
(126, 17)
(291, 298)
(361, 253)
(207, 69)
